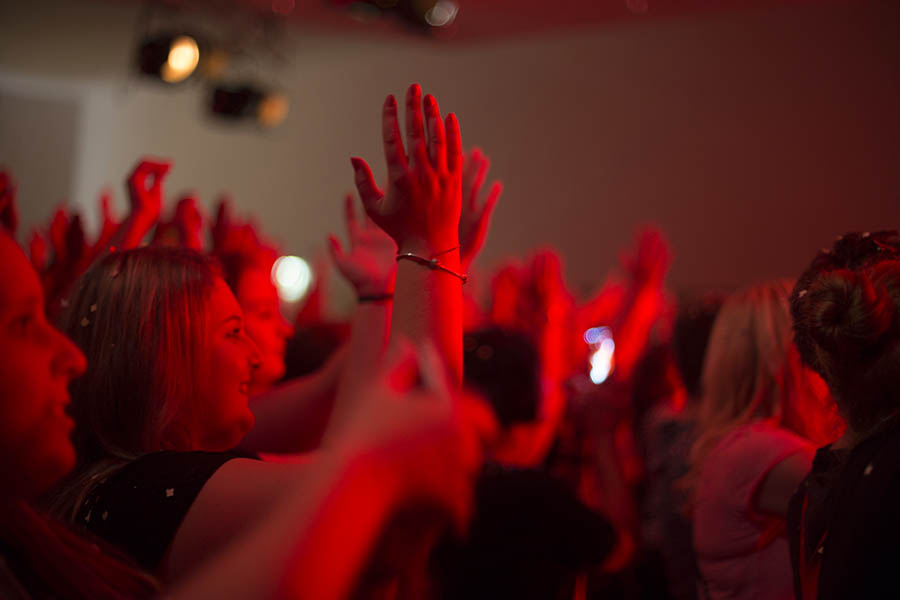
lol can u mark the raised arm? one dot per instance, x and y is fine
(420, 210)
(292, 416)
(145, 191)
(370, 267)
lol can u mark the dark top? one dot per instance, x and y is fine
(852, 520)
(140, 507)
(528, 537)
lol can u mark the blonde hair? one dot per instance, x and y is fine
(752, 372)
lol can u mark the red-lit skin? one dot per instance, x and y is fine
(145, 193)
(265, 325)
(38, 364)
(219, 415)
(475, 216)
(506, 295)
(315, 541)
(420, 209)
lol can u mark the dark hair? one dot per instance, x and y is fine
(845, 309)
(690, 337)
(503, 365)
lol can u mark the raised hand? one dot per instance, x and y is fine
(38, 251)
(59, 226)
(651, 259)
(188, 221)
(221, 227)
(370, 265)
(421, 206)
(145, 189)
(109, 224)
(476, 213)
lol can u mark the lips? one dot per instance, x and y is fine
(57, 412)
(245, 388)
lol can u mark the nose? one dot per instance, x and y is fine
(253, 358)
(68, 361)
(287, 328)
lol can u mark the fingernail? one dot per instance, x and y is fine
(354, 161)
(415, 90)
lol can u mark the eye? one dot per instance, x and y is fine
(235, 332)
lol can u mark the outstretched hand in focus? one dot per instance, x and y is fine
(420, 207)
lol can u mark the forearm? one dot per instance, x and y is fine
(428, 306)
(634, 329)
(292, 416)
(313, 544)
(366, 347)
(131, 232)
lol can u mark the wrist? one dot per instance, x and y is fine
(376, 288)
(431, 247)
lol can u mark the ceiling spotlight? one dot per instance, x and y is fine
(442, 13)
(272, 109)
(244, 102)
(171, 58)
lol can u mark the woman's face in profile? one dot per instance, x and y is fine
(265, 324)
(220, 415)
(38, 362)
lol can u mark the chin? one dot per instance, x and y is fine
(230, 435)
(48, 471)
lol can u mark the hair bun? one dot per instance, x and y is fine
(846, 312)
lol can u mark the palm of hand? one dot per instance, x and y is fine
(145, 185)
(421, 207)
(370, 265)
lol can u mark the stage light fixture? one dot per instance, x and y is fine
(243, 102)
(442, 13)
(170, 58)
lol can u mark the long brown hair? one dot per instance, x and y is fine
(138, 316)
(752, 372)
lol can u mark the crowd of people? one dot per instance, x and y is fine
(166, 432)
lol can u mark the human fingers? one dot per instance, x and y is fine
(415, 128)
(482, 164)
(37, 250)
(437, 141)
(394, 153)
(350, 219)
(335, 249)
(365, 185)
(454, 143)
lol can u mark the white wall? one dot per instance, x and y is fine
(750, 137)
